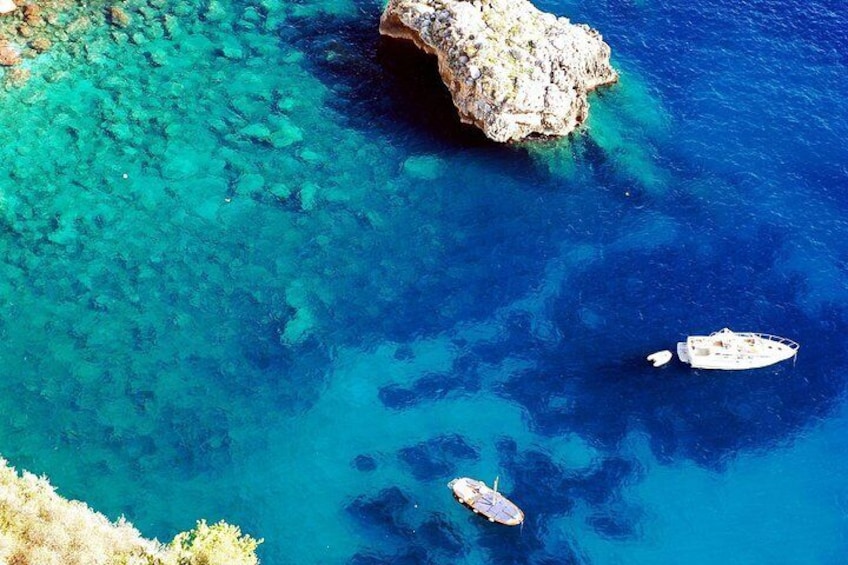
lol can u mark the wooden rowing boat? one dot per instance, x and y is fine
(486, 501)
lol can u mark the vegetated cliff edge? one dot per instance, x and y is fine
(512, 70)
(39, 527)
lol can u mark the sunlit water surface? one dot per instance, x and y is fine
(252, 268)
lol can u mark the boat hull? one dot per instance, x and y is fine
(660, 358)
(487, 502)
(729, 351)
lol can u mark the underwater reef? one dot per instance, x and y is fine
(30, 29)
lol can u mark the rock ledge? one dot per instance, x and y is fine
(512, 70)
(7, 7)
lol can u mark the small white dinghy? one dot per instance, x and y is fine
(660, 358)
(486, 501)
(728, 350)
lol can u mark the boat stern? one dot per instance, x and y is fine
(516, 520)
(683, 352)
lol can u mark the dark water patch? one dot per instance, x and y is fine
(455, 446)
(398, 537)
(439, 534)
(414, 555)
(699, 415)
(404, 353)
(138, 447)
(640, 284)
(199, 440)
(515, 336)
(462, 378)
(819, 22)
(522, 544)
(380, 82)
(144, 337)
(546, 489)
(618, 524)
(397, 397)
(538, 482)
(604, 482)
(368, 559)
(437, 385)
(473, 252)
(566, 557)
(364, 463)
(292, 372)
(383, 512)
(437, 458)
(830, 180)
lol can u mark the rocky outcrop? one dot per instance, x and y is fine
(7, 7)
(8, 54)
(512, 70)
(118, 17)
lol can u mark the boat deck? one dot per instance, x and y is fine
(486, 501)
(730, 350)
(495, 507)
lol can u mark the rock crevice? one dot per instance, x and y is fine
(512, 70)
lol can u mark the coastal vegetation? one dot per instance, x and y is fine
(39, 527)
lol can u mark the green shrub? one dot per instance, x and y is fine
(219, 544)
(39, 527)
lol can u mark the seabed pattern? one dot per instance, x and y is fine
(250, 263)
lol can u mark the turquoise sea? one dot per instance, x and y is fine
(253, 269)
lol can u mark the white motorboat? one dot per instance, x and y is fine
(730, 350)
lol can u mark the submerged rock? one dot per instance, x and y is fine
(40, 44)
(512, 70)
(16, 77)
(8, 54)
(423, 167)
(118, 17)
(32, 15)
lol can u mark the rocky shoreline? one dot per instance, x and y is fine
(513, 71)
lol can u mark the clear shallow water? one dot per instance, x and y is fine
(315, 293)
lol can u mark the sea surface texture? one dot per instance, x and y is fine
(252, 268)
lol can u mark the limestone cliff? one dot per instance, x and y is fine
(512, 70)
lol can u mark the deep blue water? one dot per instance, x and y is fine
(315, 297)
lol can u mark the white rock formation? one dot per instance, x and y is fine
(512, 70)
(7, 7)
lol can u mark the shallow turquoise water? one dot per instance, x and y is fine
(252, 270)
